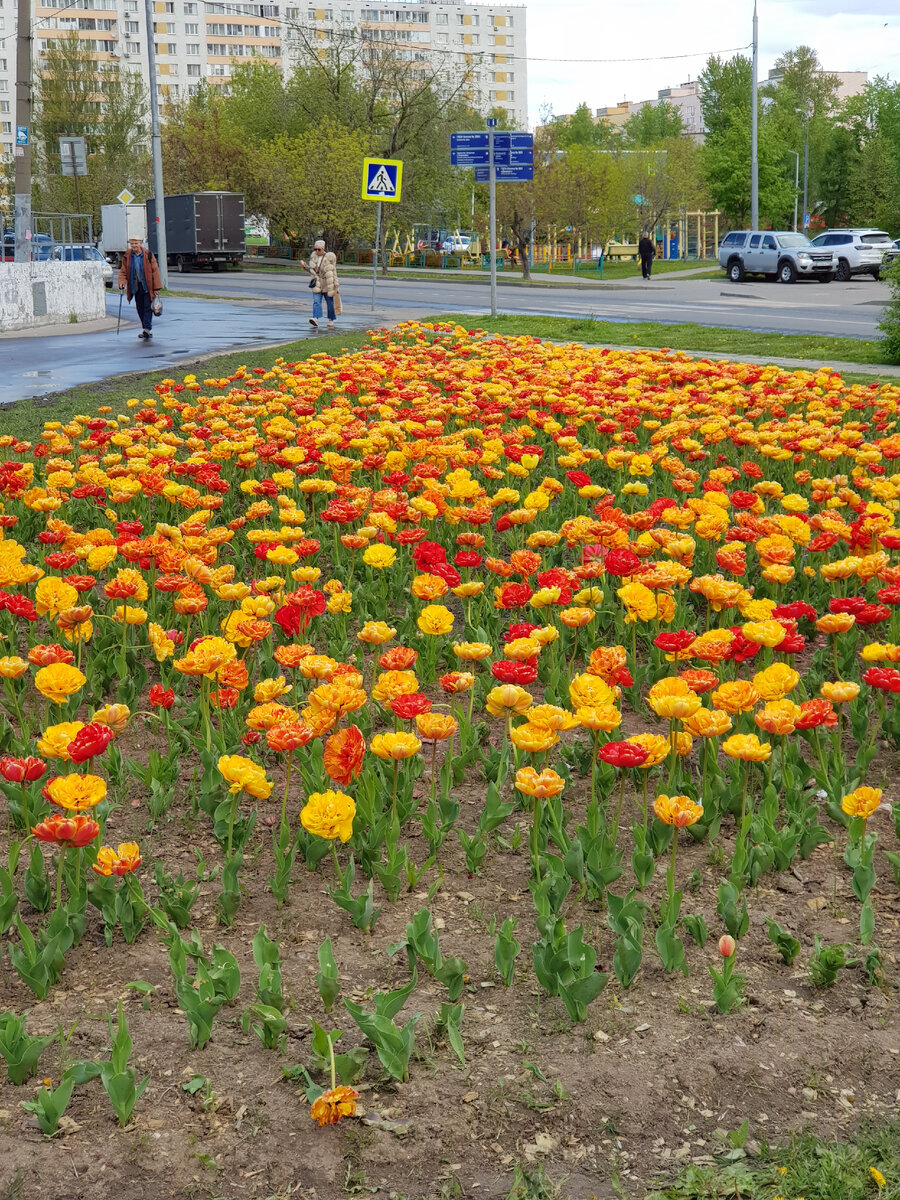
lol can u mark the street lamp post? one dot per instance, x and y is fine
(796, 154)
(805, 113)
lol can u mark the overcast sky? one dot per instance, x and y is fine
(849, 35)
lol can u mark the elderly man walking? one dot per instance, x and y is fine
(139, 276)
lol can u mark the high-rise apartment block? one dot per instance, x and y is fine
(206, 39)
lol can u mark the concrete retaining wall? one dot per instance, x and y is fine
(48, 293)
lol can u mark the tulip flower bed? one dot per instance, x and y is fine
(520, 715)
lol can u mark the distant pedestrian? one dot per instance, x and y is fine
(139, 276)
(647, 254)
(314, 266)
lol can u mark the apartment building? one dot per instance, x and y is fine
(486, 42)
(206, 39)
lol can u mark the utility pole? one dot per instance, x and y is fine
(158, 192)
(23, 122)
(796, 154)
(754, 132)
(492, 196)
(806, 177)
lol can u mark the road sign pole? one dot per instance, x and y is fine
(375, 251)
(492, 194)
(75, 176)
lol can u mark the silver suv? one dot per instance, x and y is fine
(858, 251)
(777, 255)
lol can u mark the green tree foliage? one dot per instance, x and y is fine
(725, 155)
(77, 96)
(310, 183)
(651, 124)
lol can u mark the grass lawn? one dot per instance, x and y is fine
(687, 336)
(805, 1168)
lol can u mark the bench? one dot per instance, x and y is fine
(621, 250)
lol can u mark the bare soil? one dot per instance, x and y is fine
(646, 1084)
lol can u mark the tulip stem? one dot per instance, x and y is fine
(615, 841)
(284, 799)
(394, 791)
(339, 874)
(535, 836)
(59, 876)
(330, 1042)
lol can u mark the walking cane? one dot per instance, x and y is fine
(119, 322)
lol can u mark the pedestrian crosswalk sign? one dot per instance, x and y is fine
(382, 178)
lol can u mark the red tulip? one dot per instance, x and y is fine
(21, 770)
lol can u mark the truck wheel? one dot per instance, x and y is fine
(736, 271)
(787, 272)
(217, 266)
(876, 275)
(842, 274)
(180, 264)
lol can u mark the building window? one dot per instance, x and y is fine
(441, 19)
(192, 48)
(132, 27)
(190, 10)
(191, 28)
(4, 106)
(193, 68)
(5, 126)
(216, 69)
(442, 38)
(132, 47)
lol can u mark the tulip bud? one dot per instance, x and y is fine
(727, 945)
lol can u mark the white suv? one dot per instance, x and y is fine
(858, 251)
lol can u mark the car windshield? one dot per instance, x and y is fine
(793, 241)
(874, 239)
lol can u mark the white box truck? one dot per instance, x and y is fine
(120, 223)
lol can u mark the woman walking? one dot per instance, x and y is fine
(322, 267)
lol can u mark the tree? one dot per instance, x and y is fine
(724, 87)
(77, 96)
(309, 185)
(725, 155)
(202, 150)
(652, 123)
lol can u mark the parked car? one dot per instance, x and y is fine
(858, 251)
(893, 254)
(458, 244)
(42, 245)
(776, 254)
(83, 252)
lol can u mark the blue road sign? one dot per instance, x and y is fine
(469, 158)
(512, 158)
(514, 141)
(503, 174)
(469, 141)
(21, 135)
